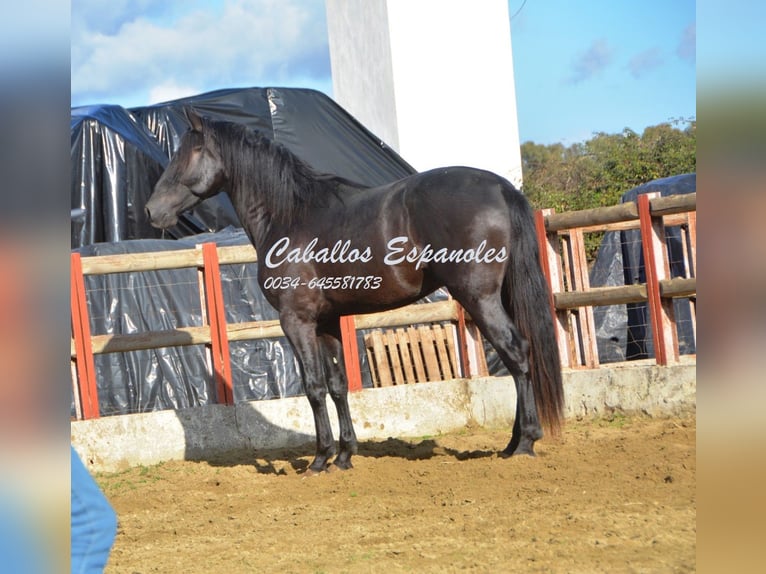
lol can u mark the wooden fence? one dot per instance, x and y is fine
(458, 350)
(563, 259)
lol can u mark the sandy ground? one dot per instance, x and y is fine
(614, 495)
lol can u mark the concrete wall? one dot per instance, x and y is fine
(115, 443)
(362, 73)
(432, 78)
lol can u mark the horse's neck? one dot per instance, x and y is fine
(253, 215)
(260, 223)
(264, 216)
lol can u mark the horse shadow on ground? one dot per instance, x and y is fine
(283, 461)
(201, 429)
(201, 445)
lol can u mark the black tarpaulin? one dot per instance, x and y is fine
(118, 154)
(115, 164)
(179, 377)
(624, 332)
(117, 157)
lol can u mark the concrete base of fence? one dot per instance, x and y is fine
(118, 442)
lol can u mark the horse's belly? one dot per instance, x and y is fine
(370, 288)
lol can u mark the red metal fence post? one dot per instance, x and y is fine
(551, 266)
(691, 237)
(351, 353)
(656, 267)
(217, 320)
(462, 338)
(86, 368)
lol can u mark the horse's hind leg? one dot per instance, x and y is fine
(495, 324)
(331, 347)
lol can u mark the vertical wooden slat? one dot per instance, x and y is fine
(394, 358)
(473, 359)
(450, 339)
(371, 360)
(86, 369)
(581, 282)
(476, 354)
(574, 335)
(417, 355)
(429, 353)
(351, 353)
(440, 339)
(656, 268)
(381, 358)
(405, 349)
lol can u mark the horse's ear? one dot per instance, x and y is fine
(194, 118)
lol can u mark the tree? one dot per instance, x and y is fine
(597, 172)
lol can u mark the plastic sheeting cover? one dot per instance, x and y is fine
(179, 377)
(118, 155)
(624, 332)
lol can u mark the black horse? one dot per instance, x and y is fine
(329, 247)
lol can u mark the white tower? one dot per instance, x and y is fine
(431, 78)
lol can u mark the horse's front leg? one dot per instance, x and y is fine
(332, 356)
(302, 337)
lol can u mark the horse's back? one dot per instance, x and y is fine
(462, 184)
(459, 197)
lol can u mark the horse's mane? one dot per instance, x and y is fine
(284, 182)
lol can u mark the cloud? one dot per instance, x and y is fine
(141, 47)
(591, 62)
(687, 46)
(168, 91)
(644, 62)
(90, 14)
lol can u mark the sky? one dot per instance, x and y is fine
(580, 67)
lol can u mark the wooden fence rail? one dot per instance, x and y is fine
(184, 336)
(563, 260)
(562, 257)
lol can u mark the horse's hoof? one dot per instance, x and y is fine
(340, 466)
(312, 472)
(518, 452)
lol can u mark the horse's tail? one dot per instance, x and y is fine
(528, 299)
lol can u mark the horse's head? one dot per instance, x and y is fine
(195, 172)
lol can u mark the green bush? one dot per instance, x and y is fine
(598, 172)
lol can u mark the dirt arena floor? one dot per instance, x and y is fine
(614, 495)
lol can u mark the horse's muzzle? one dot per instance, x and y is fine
(163, 221)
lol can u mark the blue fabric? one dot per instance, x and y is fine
(94, 523)
(20, 547)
